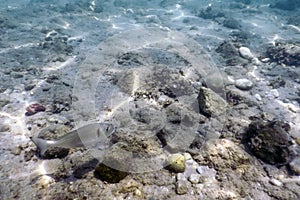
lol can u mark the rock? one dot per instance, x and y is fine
(210, 103)
(175, 163)
(284, 53)
(243, 84)
(270, 141)
(277, 82)
(295, 165)
(83, 163)
(180, 177)
(181, 187)
(29, 87)
(130, 186)
(258, 97)
(187, 156)
(16, 150)
(138, 193)
(220, 154)
(34, 108)
(108, 174)
(232, 23)
(28, 155)
(265, 60)
(275, 182)
(274, 93)
(229, 52)
(194, 178)
(245, 53)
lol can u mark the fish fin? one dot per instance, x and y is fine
(42, 145)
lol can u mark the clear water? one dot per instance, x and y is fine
(68, 49)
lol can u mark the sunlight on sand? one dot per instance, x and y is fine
(17, 122)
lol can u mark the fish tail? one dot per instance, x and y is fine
(42, 145)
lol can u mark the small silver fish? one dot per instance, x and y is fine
(85, 136)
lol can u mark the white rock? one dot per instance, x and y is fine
(265, 60)
(243, 84)
(180, 177)
(194, 178)
(258, 97)
(187, 156)
(275, 182)
(274, 93)
(256, 61)
(246, 53)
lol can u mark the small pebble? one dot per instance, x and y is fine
(274, 93)
(265, 60)
(29, 87)
(138, 193)
(258, 97)
(180, 177)
(245, 53)
(16, 150)
(243, 84)
(256, 61)
(275, 182)
(187, 156)
(181, 187)
(194, 178)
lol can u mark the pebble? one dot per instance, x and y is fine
(29, 87)
(243, 84)
(265, 60)
(176, 163)
(195, 178)
(274, 93)
(295, 165)
(187, 156)
(16, 150)
(245, 53)
(256, 61)
(181, 187)
(258, 97)
(275, 182)
(138, 193)
(180, 177)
